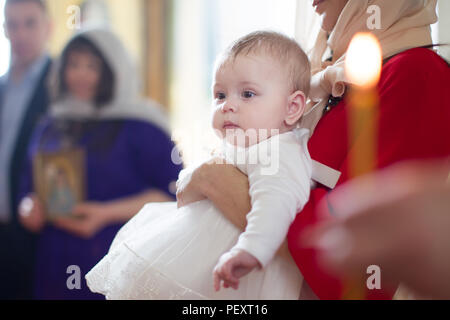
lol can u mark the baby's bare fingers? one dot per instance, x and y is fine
(231, 284)
(228, 280)
(216, 281)
(227, 271)
(218, 276)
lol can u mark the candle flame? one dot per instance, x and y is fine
(364, 60)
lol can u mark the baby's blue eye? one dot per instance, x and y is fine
(248, 94)
(220, 96)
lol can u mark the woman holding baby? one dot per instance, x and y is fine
(228, 226)
(413, 116)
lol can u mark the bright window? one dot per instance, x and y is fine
(4, 44)
(203, 28)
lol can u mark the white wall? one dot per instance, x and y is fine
(202, 29)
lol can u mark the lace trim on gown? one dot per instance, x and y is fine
(150, 284)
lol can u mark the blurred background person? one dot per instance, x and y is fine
(128, 157)
(23, 98)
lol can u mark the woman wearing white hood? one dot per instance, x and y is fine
(127, 159)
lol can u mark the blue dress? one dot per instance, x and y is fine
(123, 158)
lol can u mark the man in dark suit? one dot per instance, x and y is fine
(23, 99)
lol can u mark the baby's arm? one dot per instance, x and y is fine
(276, 199)
(232, 266)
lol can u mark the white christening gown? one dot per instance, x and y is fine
(166, 253)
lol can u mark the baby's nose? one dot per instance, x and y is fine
(228, 106)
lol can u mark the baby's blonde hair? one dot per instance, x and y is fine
(281, 48)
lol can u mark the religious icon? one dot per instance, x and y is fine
(59, 181)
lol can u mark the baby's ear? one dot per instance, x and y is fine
(296, 108)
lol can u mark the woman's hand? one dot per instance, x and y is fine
(189, 187)
(227, 187)
(31, 213)
(87, 219)
(397, 219)
(224, 185)
(193, 186)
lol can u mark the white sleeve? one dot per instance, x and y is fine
(276, 197)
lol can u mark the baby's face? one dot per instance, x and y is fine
(250, 92)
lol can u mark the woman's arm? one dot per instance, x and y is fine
(408, 204)
(93, 216)
(124, 209)
(228, 189)
(224, 185)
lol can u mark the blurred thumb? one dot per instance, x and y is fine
(80, 210)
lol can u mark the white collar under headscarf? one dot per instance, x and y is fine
(126, 104)
(405, 24)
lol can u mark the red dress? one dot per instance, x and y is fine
(414, 123)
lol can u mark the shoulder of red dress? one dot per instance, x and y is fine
(416, 58)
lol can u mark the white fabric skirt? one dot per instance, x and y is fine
(166, 253)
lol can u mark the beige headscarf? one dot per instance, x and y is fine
(405, 24)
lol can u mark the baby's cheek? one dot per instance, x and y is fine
(217, 121)
(258, 121)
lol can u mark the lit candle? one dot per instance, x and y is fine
(363, 68)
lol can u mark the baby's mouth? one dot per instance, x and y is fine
(230, 125)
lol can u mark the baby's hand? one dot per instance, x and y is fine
(232, 266)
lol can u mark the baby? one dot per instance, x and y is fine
(165, 252)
